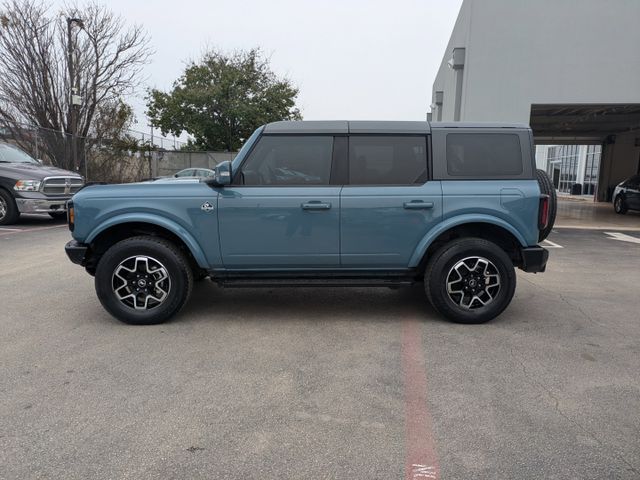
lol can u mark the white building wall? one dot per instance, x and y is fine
(542, 51)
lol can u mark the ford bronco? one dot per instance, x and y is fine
(457, 206)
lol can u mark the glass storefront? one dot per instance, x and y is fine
(564, 164)
(592, 169)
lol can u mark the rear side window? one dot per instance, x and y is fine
(289, 160)
(632, 182)
(483, 155)
(387, 160)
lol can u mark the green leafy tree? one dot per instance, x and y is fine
(222, 99)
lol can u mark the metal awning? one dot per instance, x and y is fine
(582, 123)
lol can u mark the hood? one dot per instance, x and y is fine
(24, 171)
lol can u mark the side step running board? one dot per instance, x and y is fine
(313, 282)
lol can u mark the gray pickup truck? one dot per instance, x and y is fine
(27, 186)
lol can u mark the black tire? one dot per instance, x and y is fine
(620, 206)
(8, 209)
(58, 215)
(440, 270)
(547, 188)
(176, 284)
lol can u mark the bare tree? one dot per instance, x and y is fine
(47, 56)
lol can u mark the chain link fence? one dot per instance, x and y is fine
(134, 157)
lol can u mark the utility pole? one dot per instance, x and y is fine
(74, 94)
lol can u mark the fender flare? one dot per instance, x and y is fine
(173, 227)
(456, 221)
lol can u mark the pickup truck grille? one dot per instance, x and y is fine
(61, 185)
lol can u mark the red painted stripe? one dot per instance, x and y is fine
(421, 462)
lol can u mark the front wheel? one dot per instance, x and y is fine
(8, 210)
(619, 205)
(143, 280)
(470, 280)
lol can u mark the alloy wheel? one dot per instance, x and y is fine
(473, 282)
(141, 282)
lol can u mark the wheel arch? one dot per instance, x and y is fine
(491, 229)
(119, 228)
(8, 191)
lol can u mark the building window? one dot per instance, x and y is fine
(565, 158)
(592, 169)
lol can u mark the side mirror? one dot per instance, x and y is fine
(39, 160)
(222, 176)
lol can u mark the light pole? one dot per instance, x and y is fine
(74, 93)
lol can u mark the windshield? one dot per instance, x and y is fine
(9, 154)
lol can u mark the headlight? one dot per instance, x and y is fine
(27, 185)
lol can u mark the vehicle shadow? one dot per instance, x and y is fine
(209, 302)
(37, 220)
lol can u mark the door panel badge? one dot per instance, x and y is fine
(207, 207)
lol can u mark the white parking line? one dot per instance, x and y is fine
(550, 244)
(5, 231)
(622, 237)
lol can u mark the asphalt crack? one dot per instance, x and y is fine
(530, 379)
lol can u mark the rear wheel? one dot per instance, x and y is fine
(8, 209)
(143, 280)
(470, 280)
(547, 188)
(619, 205)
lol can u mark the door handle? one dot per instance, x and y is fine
(418, 205)
(315, 205)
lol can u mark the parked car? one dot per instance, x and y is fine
(455, 206)
(626, 195)
(27, 186)
(195, 172)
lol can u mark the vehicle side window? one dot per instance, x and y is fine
(289, 160)
(633, 182)
(387, 160)
(483, 154)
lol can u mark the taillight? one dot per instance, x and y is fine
(543, 212)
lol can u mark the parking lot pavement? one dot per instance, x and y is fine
(329, 383)
(28, 223)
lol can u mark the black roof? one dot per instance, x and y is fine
(374, 126)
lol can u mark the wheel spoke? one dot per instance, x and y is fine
(141, 282)
(473, 282)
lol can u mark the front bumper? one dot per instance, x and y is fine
(534, 259)
(35, 205)
(76, 252)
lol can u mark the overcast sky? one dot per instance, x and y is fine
(351, 59)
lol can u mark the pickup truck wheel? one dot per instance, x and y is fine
(547, 188)
(8, 209)
(143, 280)
(470, 280)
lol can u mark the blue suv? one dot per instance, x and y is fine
(329, 203)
